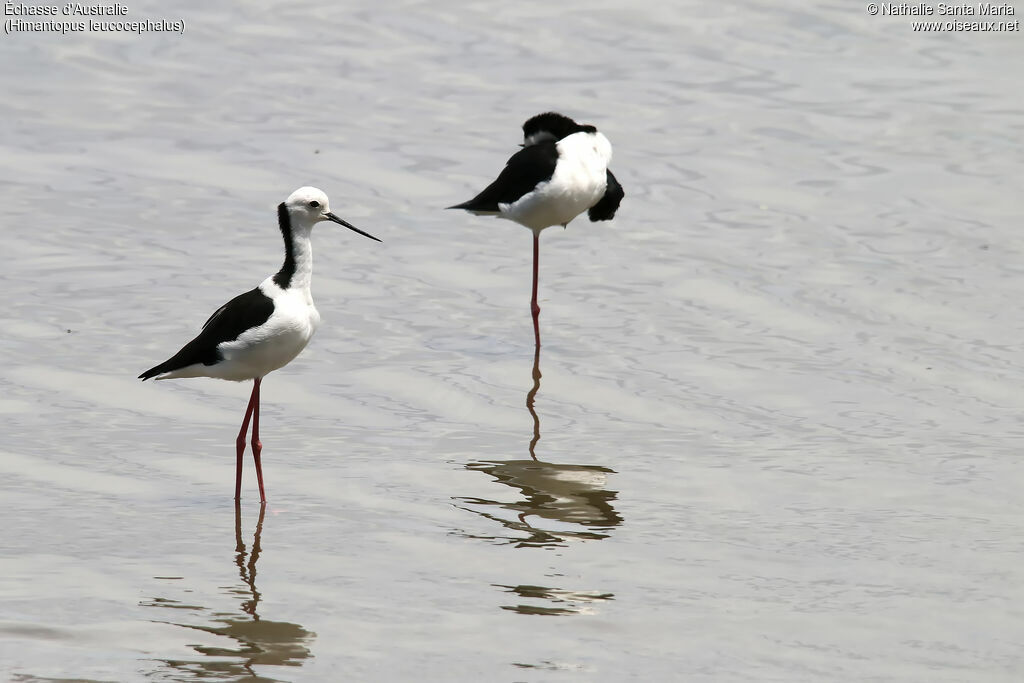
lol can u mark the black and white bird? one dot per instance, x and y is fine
(561, 172)
(264, 329)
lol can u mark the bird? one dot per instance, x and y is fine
(560, 172)
(265, 328)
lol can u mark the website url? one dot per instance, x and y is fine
(943, 26)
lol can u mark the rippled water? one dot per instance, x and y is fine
(773, 433)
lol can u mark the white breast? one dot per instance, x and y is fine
(276, 342)
(579, 181)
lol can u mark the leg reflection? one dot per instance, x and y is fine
(557, 499)
(247, 569)
(531, 396)
(242, 640)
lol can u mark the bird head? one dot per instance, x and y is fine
(551, 126)
(309, 206)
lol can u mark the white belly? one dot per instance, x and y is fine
(579, 181)
(272, 345)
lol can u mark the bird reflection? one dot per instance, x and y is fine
(257, 641)
(566, 602)
(561, 497)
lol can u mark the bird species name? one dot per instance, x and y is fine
(70, 9)
(94, 25)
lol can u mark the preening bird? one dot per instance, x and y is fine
(561, 172)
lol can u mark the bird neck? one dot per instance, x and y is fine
(297, 269)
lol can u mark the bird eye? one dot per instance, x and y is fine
(314, 204)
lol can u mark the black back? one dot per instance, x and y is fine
(243, 312)
(526, 169)
(606, 207)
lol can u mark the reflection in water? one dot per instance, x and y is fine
(531, 396)
(559, 503)
(570, 602)
(256, 641)
(573, 495)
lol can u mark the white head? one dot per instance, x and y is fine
(308, 206)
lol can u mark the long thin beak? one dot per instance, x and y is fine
(331, 217)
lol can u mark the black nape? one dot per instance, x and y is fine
(283, 277)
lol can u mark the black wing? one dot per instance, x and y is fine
(605, 209)
(526, 169)
(229, 321)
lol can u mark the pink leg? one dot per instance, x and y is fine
(257, 447)
(534, 307)
(240, 441)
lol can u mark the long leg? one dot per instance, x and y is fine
(240, 441)
(257, 447)
(534, 307)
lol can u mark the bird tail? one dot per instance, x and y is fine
(156, 370)
(476, 208)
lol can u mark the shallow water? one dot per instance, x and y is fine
(776, 417)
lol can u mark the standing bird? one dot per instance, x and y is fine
(561, 172)
(265, 328)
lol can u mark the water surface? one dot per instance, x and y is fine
(773, 432)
